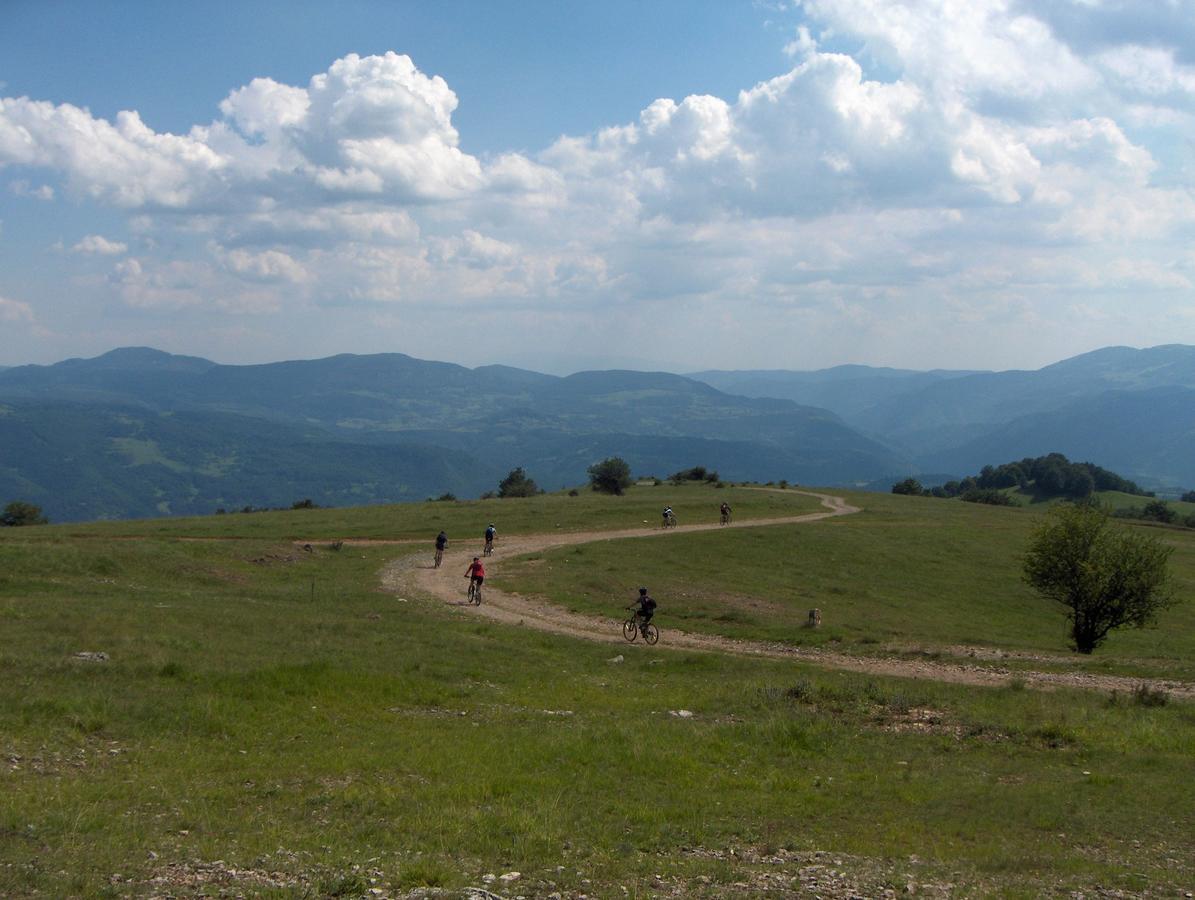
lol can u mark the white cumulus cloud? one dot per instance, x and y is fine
(15, 311)
(98, 244)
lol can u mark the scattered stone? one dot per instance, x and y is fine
(510, 877)
(489, 878)
(92, 656)
(681, 713)
(615, 659)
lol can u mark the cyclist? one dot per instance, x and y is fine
(489, 539)
(647, 609)
(476, 575)
(725, 510)
(669, 516)
(441, 543)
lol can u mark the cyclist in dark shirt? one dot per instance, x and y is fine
(647, 609)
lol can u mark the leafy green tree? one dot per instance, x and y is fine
(1158, 511)
(1188, 497)
(1105, 576)
(517, 484)
(909, 486)
(610, 476)
(18, 513)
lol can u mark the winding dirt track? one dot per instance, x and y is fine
(415, 575)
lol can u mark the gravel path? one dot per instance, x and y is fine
(416, 575)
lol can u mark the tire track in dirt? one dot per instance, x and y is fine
(416, 575)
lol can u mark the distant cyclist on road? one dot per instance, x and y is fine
(669, 516)
(441, 544)
(490, 532)
(647, 609)
(725, 511)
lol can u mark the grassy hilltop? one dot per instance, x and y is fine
(270, 722)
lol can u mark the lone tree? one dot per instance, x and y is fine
(21, 513)
(517, 484)
(909, 486)
(610, 476)
(1105, 576)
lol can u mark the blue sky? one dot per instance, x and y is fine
(561, 185)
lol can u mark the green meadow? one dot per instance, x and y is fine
(908, 574)
(268, 722)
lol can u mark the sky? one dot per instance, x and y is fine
(558, 185)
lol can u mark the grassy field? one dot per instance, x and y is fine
(641, 505)
(268, 722)
(908, 573)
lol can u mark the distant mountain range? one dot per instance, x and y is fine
(138, 432)
(1129, 410)
(141, 432)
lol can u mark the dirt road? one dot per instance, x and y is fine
(415, 575)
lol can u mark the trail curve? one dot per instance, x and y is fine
(415, 575)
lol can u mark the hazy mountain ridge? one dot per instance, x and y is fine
(1124, 408)
(488, 420)
(390, 427)
(847, 390)
(85, 461)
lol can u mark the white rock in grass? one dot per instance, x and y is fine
(615, 659)
(681, 713)
(510, 876)
(489, 878)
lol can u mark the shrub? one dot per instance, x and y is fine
(990, 496)
(1188, 497)
(305, 503)
(1158, 511)
(910, 486)
(19, 513)
(1144, 695)
(610, 476)
(517, 484)
(697, 473)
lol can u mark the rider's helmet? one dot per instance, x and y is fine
(477, 559)
(491, 524)
(643, 590)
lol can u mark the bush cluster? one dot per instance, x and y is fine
(697, 473)
(1049, 476)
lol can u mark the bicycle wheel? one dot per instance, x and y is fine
(477, 596)
(472, 591)
(651, 634)
(630, 630)
(439, 558)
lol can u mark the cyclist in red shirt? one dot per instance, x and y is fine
(476, 572)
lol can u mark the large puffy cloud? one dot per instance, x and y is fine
(970, 161)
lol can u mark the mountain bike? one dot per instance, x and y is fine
(489, 549)
(725, 518)
(439, 556)
(474, 592)
(631, 629)
(670, 520)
